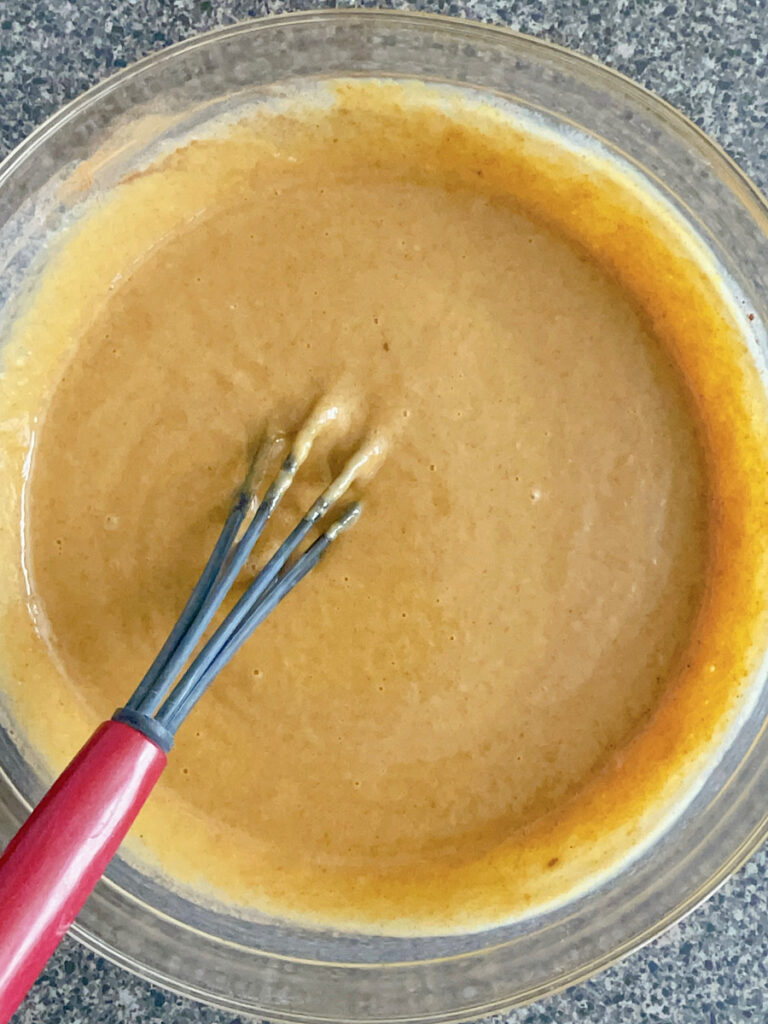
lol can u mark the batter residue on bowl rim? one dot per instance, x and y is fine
(514, 668)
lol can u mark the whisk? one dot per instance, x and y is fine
(55, 860)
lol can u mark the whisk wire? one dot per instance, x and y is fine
(156, 695)
(215, 655)
(260, 585)
(150, 690)
(227, 559)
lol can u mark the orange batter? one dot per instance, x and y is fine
(512, 669)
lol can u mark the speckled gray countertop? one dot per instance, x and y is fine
(708, 59)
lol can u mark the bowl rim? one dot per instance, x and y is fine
(740, 183)
(447, 22)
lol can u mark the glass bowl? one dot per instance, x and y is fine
(299, 974)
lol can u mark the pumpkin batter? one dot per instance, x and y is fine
(461, 713)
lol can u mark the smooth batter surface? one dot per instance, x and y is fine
(422, 730)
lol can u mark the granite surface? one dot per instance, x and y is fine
(711, 61)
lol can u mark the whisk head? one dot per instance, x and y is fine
(169, 691)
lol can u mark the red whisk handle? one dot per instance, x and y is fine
(54, 861)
